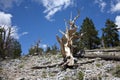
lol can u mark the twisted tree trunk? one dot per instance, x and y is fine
(66, 42)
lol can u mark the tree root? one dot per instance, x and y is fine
(64, 66)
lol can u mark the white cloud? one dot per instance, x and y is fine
(14, 31)
(102, 4)
(115, 7)
(44, 46)
(117, 21)
(6, 22)
(51, 13)
(7, 4)
(24, 33)
(5, 19)
(53, 6)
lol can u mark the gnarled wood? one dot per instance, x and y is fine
(66, 42)
(105, 57)
(62, 63)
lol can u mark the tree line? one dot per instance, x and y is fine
(37, 50)
(91, 39)
(10, 47)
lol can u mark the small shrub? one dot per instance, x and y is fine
(99, 77)
(80, 75)
(66, 78)
(117, 71)
(106, 53)
(21, 66)
(51, 74)
(118, 48)
(44, 74)
(60, 56)
(1, 69)
(98, 65)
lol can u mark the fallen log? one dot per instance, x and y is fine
(60, 64)
(105, 57)
(103, 50)
(47, 66)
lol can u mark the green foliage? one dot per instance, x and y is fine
(66, 78)
(33, 50)
(21, 66)
(1, 69)
(52, 50)
(36, 50)
(80, 76)
(90, 39)
(110, 35)
(48, 49)
(16, 49)
(78, 44)
(44, 74)
(9, 47)
(117, 71)
(98, 65)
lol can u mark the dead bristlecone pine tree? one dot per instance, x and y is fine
(66, 42)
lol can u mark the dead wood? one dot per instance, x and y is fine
(60, 64)
(103, 50)
(47, 66)
(105, 57)
(66, 42)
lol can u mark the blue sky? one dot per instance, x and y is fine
(32, 20)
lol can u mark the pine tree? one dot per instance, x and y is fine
(33, 51)
(54, 49)
(48, 49)
(36, 50)
(14, 49)
(90, 40)
(110, 37)
(9, 47)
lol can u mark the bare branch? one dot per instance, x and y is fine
(71, 16)
(76, 17)
(61, 32)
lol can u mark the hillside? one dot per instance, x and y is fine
(21, 69)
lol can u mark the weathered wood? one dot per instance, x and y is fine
(105, 57)
(103, 50)
(60, 64)
(66, 42)
(47, 66)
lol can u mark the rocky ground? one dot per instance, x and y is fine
(20, 69)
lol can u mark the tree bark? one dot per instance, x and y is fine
(60, 64)
(105, 57)
(66, 42)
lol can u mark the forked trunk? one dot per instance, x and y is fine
(66, 42)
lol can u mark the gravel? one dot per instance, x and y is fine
(20, 69)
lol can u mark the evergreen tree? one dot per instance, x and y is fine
(9, 47)
(33, 51)
(15, 49)
(54, 49)
(90, 39)
(36, 50)
(110, 37)
(48, 49)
